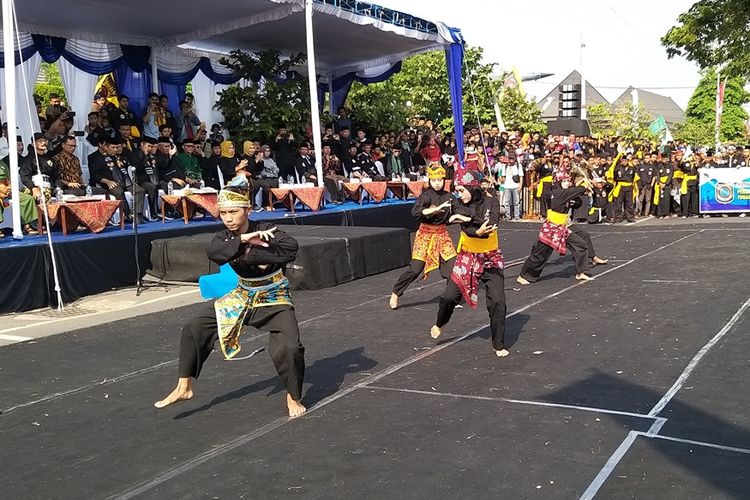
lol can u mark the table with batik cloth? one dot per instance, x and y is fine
(309, 196)
(186, 204)
(376, 190)
(94, 214)
(402, 189)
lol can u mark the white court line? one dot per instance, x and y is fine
(78, 390)
(697, 443)
(670, 281)
(610, 466)
(15, 338)
(697, 358)
(137, 304)
(242, 440)
(125, 376)
(514, 401)
(604, 473)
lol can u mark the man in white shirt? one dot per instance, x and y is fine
(511, 177)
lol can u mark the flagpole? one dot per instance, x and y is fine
(718, 109)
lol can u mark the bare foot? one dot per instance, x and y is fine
(180, 393)
(583, 277)
(394, 301)
(599, 261)
(502, 353)
(295, 407)
(522, 281)
(435, 332)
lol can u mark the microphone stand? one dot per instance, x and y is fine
(139, 279)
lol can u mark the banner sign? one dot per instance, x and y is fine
(724, 189)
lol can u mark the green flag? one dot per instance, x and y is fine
(657, 125)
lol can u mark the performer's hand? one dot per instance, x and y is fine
(259, 238)
(485, 228)
(459, 218)
(74, 185)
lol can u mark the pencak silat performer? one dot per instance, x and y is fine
(433, 247)
(257, 252)
(557, 236)
(479, 259)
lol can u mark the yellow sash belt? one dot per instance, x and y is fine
(620, 184)
(479, 245)
(657, 188)
(557, 218)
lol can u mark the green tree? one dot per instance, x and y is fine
(52, 83)
(519, 113)
(256, 110)
(713, 32)
(631, 123)
(701, 111)
(693, 132)
(423, 83)
(600, 120)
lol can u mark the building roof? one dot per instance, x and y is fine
(549, 104)
(655, 104)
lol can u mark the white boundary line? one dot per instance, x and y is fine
(97, 313)
(697, 443)
(15, 338)
(242, 440)
(514, 401)
(610, 465)
(697, 358)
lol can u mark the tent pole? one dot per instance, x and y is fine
(154, 72)
(10, 112)
(313, 83)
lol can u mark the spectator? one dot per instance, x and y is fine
(187, 123)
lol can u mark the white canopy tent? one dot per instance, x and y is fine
(175, 43)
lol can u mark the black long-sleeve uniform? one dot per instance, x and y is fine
(579, 242)
(428, 198)
(486, 208)
(249, 261)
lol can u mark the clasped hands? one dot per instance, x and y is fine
(259, 238)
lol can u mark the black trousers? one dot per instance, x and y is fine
(82, 191)
(415, 269)
(665, 201)
(601, 213)
(332, 186)
(689, 202)
(624, 200)
(201, 333)
(494, 285)
(152, 190)
(579, 244)
(139, 197)
(266, 185)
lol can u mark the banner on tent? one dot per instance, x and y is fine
(724, 190)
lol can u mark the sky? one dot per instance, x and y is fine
(622, 39)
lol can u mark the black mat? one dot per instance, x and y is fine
(90, 264)
(328, 255)
(395, 414)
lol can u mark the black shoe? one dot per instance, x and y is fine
(141, 220)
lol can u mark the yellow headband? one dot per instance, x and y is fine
(232, 199)
(436, 172)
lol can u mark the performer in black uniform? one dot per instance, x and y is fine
(257, 252)
(555, 235)
(479, 259)
(433, 247)
(623, 193)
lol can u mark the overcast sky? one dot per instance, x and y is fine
(621, 38)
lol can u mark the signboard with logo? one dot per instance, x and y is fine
(724, 190)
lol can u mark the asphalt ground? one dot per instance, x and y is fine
(632, 385)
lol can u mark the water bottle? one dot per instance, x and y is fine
(304, 180)
(59, 194)
(281, 180)
(89, 192)
(203, 184)
(393, 176)
(170, 188)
